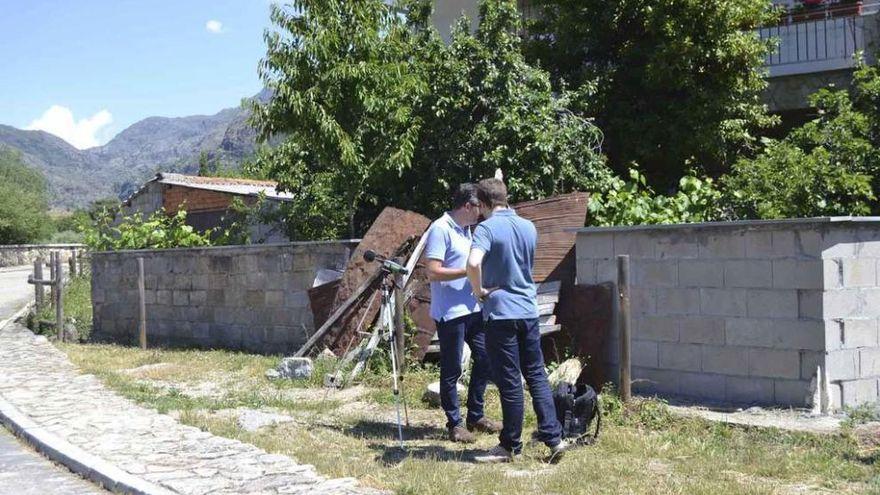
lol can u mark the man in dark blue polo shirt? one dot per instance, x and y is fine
(457, 313)
(500, 271)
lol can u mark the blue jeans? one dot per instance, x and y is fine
(452, 335)
(514, 352)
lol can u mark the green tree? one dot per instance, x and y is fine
(672, 83)
(376, 110)
(24, 205)
(829, 166)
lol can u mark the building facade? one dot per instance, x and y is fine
(207, 201)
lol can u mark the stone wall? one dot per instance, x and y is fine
(26, 254)
(250, 298)
(745, 312)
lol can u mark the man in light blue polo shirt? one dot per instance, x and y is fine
(457, 314)
(499, 268)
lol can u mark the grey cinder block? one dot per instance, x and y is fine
(856, 392)
(678, 301)
(700, 273)
(723, 302)
(749, 390)
(650, 273)
(748, 273)
(723, 246)
(657, 328)
(842, 364)
(684, 357)
(644, 353)
(791, 393)
(725, 360)
(595, 245)
(702, 330)
(702, 385)
(774, 363)
(773, 303)
(798, 274)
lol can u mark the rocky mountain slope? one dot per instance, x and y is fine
(77, 177)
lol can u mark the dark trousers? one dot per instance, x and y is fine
(452, 335)
(514, 352)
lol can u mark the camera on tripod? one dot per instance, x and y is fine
(388, 265)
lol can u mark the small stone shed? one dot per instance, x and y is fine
(746, 312)
(206, 199)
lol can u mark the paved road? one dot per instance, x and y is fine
(14, 290)
(25, 472)
(22, 470)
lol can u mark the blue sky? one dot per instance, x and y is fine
(87, 69)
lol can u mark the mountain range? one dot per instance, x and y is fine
(77, 177)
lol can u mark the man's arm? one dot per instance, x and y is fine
(475, 272)
(439, 273)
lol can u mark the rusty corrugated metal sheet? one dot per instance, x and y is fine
(392, 234)
(552, 216)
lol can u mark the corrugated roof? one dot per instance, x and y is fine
(246, 187)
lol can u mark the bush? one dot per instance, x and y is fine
(635, 203)
(828, 166)
(158, 231)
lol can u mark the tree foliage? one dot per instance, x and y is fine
(672, 83)
(377, 110)
(829, 166)
(24, 206)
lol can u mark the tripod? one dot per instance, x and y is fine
(386, 329)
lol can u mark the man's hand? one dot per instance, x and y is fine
(439, 273)
(482, 293)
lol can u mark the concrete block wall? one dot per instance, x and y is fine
(26, 254)
(745, 312)
(251, 298)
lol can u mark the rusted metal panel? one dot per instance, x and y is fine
(554, 256)
(321, 301)
(394, 233)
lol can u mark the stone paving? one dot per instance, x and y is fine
(41, 382)
(25, 472)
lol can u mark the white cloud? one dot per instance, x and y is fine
(81, 134)
(214, 26)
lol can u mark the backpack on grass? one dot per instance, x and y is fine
(576, 408)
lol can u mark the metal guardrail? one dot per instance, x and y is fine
(815, 41)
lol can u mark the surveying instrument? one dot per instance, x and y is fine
(390, 269)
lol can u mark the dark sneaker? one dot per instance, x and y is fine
(557, 452)
(496, 455)
(485, 425)
(461, 435)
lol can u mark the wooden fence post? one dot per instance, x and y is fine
(142, 304)
(52, 267)
(59, 297)
(625, 321)
(399, 334)
(72, 263)
(38, 288)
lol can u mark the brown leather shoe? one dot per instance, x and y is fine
(461, 435)
(485, 425)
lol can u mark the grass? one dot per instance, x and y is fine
(643, 448)
(77, 303)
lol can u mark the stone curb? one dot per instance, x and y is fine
(74, 458)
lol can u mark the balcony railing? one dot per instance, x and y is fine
(818, 40)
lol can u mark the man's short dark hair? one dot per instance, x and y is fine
(492, 192)
(465, 193)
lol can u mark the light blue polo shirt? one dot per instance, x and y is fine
(450, 243)
(509, 243)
